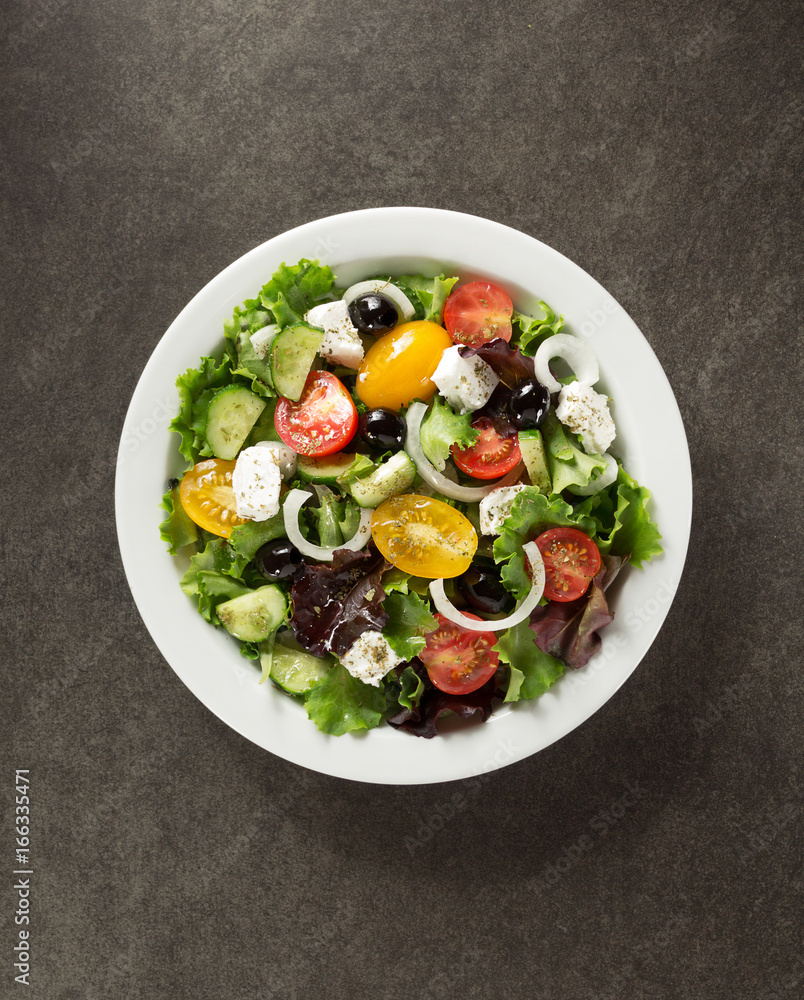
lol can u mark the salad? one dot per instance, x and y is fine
(400, 498)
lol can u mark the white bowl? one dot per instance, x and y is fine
(650, 440)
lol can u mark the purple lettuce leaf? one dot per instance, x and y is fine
(423, 719)
(496, 409)
(334, 605)
(509, 363)
(569, 630)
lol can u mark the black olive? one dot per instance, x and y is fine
(382, 429)
(482, 588)
(529, 404)
(279, 560)
(373, 313)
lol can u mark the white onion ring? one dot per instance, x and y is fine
(448, 610)
(375, 285)
(600, 481)
(290, 512)
(576, 352)
(431, 475)
(263, 338)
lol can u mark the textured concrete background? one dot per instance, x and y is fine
(148, 145)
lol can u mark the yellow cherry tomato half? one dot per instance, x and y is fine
(423, 536)
(398, 366)
(207, 495)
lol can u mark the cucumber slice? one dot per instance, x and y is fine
(392, 477)
(531, 444)
(295, 670)
(324, 471)
(232, 413)
(253, 616)
(292, 354)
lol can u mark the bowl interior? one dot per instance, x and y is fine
(650, 440)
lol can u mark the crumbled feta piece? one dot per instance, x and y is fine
(263, 338)
(256, 480)
(341, 343)
(282, 455)
(586, 412)
(465, 383)
(496, 506)
(370, 658)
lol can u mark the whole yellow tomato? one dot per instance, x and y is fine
(397, 368)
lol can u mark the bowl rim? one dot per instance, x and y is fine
(649, 408)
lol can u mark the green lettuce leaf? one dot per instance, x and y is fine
(409, 620)
(412, 688)
(208, 579)
(247, 318)
(531, 331)
(634, 534)
(177, 529)
(359, 469)
(531, 514)
(568, 463)
(395, 580)
(259, 386)
(443, 427)
(246, 539)
(532, 671)
(326, 517)
(428, 294)
(296, 288)
(342, 704)
(623, 526)
(265, 429)
(266, 651)
(196, 387)
(350, 519)
(251, 650)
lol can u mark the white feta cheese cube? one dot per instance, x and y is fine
(256, 481)
(586, 412)
(465, 383)
(370, 658)
(496, 506)
(285, 457)
(341, 343)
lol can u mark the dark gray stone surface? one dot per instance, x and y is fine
(148, 145)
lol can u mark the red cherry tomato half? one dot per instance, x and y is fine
(323, 420)
(458, 660)
(571, 559)
(478, 312)
(491, 456)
